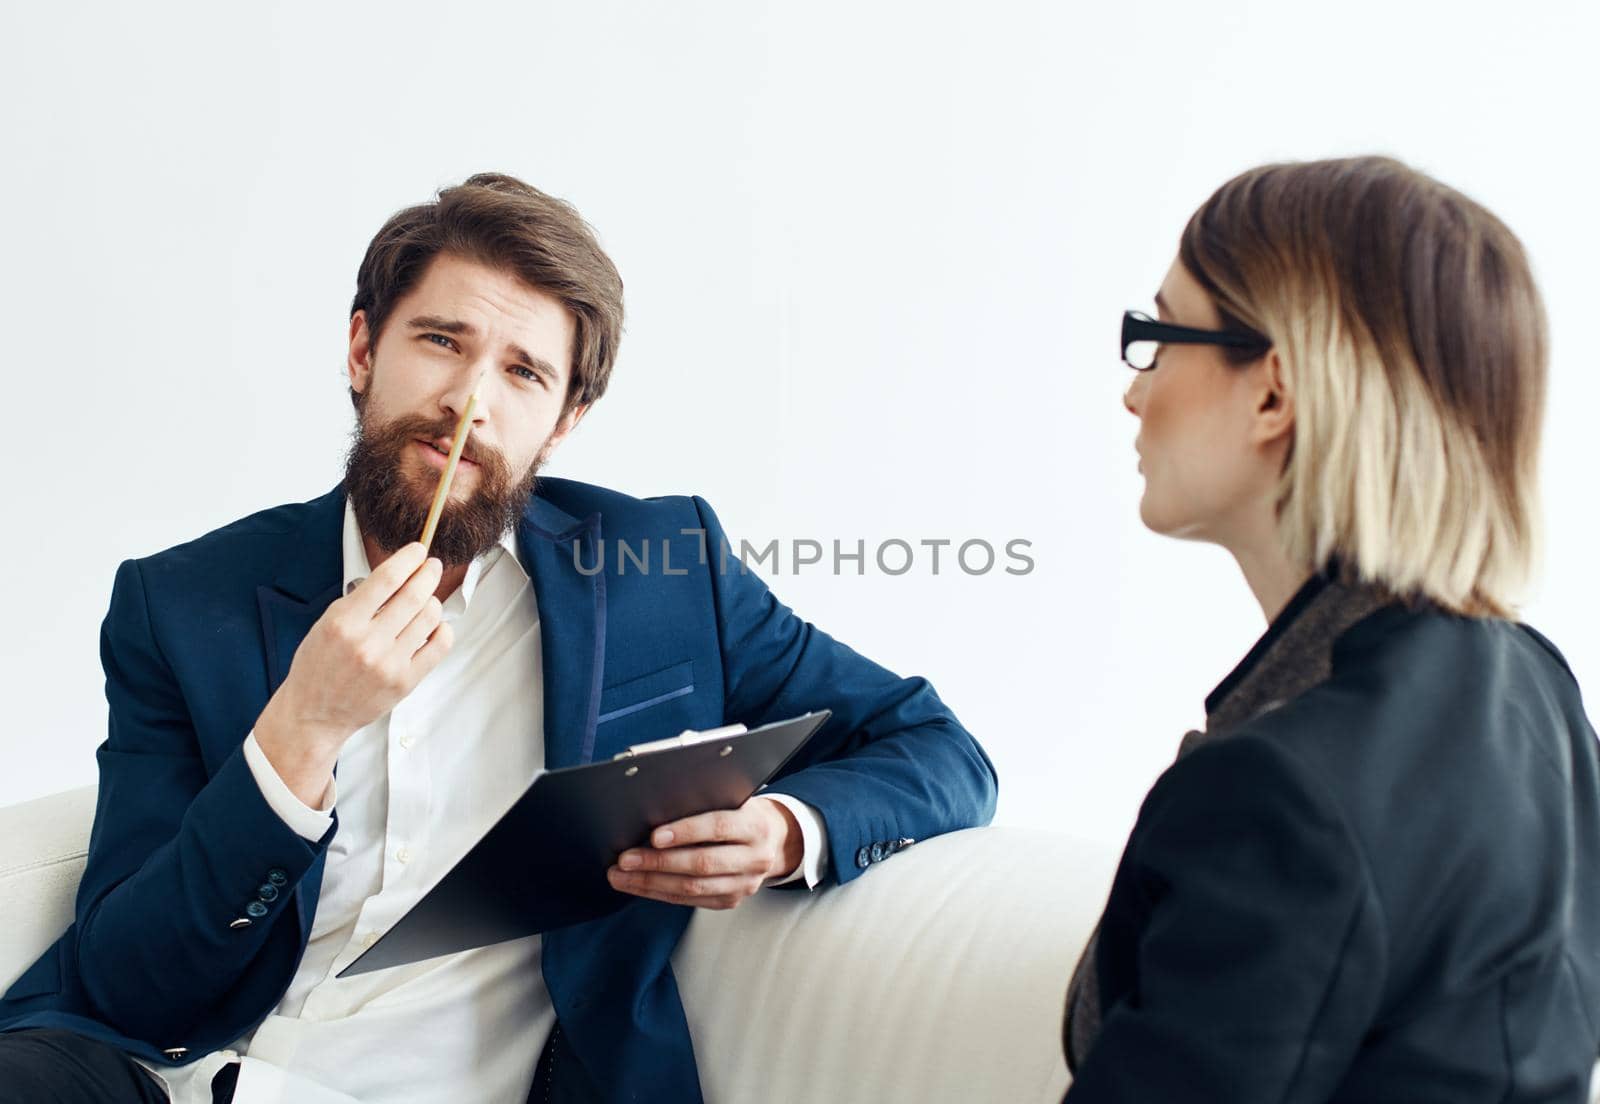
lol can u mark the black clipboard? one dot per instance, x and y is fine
(543, 864)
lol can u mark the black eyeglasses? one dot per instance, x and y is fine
(1142, 336)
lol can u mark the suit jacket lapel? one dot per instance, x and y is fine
(307, 583)
(562, 556)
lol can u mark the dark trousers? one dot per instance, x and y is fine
(50, 1065)
(55, 1066)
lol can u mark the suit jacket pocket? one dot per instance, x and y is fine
(644, 691)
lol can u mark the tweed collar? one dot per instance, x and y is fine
(1294, 654)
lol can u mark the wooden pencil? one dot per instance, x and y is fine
(442, 492)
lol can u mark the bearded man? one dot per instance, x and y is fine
(231, 874)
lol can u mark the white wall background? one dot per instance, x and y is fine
(875, 257)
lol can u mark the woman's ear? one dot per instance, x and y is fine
(1274, 415)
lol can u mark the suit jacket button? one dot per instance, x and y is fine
(267, 892)
(878, 853)
(256, 909)
(863, 858)
(175, 1052)
(277, 877)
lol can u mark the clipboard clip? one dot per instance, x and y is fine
(683, 739)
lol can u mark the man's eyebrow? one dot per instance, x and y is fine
(459, 328)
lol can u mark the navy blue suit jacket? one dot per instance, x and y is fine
(198, 637)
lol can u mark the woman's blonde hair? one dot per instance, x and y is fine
(1413, 341)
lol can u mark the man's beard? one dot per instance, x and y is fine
(392, 497)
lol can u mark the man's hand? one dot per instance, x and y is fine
(364, 654)
(714, 860)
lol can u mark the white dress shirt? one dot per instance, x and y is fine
(416, 789)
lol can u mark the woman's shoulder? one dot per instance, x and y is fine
(1427, 639)
(1410, 683)
(1443, 744)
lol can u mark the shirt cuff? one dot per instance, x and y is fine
(308, 823)
(813, 837)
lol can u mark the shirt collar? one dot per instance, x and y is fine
(357, 567)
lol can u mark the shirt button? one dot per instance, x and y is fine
(403, 854)
(405, 741)
(369, 939)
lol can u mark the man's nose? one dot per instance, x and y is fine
(454, 400)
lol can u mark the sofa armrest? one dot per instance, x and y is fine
(43, 844)
(941, 975)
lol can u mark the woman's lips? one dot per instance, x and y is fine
(438, 459)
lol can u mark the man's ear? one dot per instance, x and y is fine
(569, 422)
(1274, 415)
(358, 361)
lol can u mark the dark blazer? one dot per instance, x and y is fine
(1385, 890)
(199, 636)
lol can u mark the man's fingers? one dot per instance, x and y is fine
(431, 654)
(723, 826)
(690, 902)
(700, 862)
(416, 634)
(680, 889)
(378, 587)
(398, 611)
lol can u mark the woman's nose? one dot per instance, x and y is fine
(1130, 397)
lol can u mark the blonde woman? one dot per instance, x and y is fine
(1375, 875)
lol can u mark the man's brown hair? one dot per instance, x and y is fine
(498, 221)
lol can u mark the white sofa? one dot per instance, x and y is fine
(945, 967)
